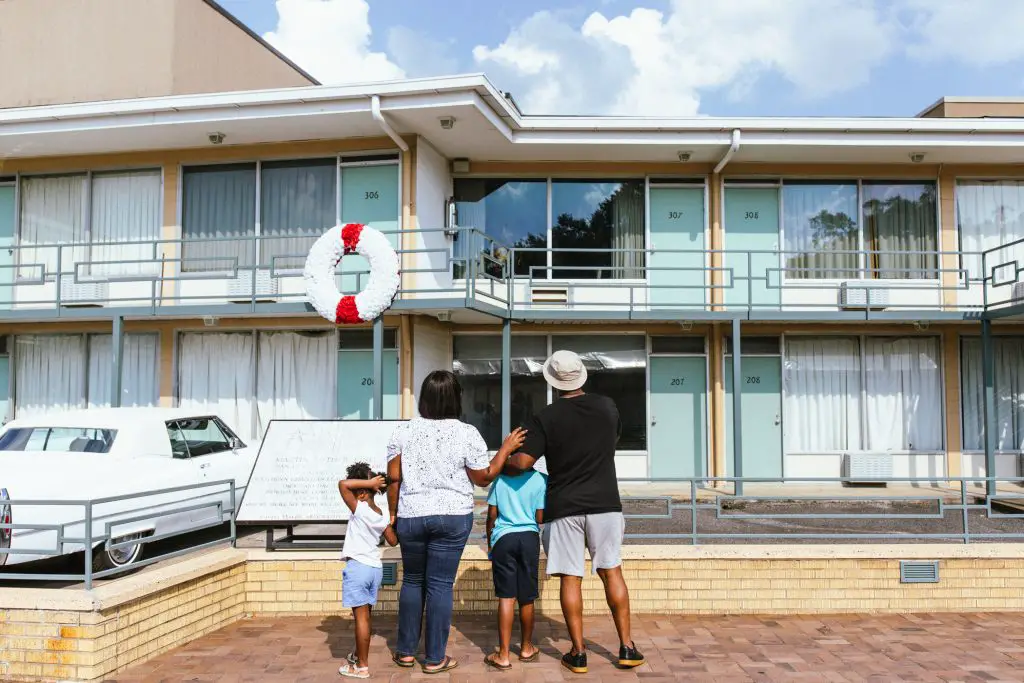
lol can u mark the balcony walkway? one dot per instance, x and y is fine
(970, 648)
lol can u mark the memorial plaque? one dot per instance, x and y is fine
(295, 478)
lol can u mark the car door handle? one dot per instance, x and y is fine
(204, 466)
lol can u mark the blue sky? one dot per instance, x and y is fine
(667, 57)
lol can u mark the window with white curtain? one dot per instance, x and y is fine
(113, 218)
(862, 394)
(296, 199)
(249, 379)
(1009, 392)
(67, 371)
(990, 213)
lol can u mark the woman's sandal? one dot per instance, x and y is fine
(532, 658)
(491, 661)
(352, 671)
(447, 665)
(404, 663)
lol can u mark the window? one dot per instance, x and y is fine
(588, 219)
(1009, 391)
(862, 394)
(823, 231)
(990, 213)
(297, 201)
(58, 439)
(512, 213)
(112, 218)
(477, 362)
(200, 436)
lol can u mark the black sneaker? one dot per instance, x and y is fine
(630, 657)
(575, 662)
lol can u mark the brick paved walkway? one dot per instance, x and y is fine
(724, 649)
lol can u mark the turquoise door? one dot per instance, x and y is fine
(761, 401)
(369, 195)
(355, 384)
(678, 436)
(751, 217)
(677, 223)
(8, 214)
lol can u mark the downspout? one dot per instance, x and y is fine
(385, 126)
(732, 150)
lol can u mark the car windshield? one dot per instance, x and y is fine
(58, 439)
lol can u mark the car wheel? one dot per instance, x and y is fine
(114, 558)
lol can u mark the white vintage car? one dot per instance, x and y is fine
(113, 452)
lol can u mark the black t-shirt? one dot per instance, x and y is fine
(578, 437)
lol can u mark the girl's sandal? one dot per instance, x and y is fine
(352, 671)
(532, 658)
(447, 665)
(492, 661)
(404, 663)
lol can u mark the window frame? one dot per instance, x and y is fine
(223, 428)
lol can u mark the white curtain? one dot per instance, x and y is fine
(1009, 390)
(140, 374)
(295, 376)
(218, 217)
(50, 372)
(822, 394)
(990, 213)
(904, 394)
(296, 198)
(628, 231)
(820, 219)
(215, 377)
(125, 211)
(52, 213)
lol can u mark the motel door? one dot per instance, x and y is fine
(8, 215)
(751, 216)
(369, 195)
(677, 222)
(761, 402)
(355, 375)
(678, 436)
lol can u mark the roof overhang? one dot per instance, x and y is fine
(489, 127)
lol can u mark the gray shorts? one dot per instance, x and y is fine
(565, 540)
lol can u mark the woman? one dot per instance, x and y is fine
(434, 461)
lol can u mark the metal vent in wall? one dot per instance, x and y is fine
(917, 571)
(390, 574)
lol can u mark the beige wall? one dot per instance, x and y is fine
(970, 110)
(88, 50)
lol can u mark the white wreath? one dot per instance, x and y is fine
(381, 286)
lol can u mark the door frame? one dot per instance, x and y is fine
(782, 391)
(759, 184)
(706, 460)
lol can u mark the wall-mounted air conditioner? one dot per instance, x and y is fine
(241, 287)
(857, 295)
(867, 468)
(83, 293)
(1018, 293)
(547, 296)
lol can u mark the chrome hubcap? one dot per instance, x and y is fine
(126, 554)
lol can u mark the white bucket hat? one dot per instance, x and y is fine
(565, 371)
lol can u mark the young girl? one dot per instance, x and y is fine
(364, 571)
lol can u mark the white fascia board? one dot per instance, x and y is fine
(869, 139)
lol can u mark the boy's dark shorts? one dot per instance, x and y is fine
(515, 560)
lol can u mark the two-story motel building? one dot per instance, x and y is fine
(162, 230)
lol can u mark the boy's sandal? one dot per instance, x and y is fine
(447, 665)
(352, 659)
(404, 663)
(491, 661)
(532, 658)
(352, 671)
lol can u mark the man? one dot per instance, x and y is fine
(577, 435)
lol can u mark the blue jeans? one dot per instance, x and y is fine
(431, 550)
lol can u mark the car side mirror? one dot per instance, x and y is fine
(235, 443)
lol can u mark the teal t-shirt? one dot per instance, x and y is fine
(517, 498)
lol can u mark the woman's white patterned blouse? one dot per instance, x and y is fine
(435, 455)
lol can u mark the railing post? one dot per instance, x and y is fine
(234, 528)
(378, 368)
(117, 343)
(88, 545)
(989, 405)
(506, 376)
(737, 407)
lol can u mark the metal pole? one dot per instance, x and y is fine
(506, 376)
(88, 545)
(988, 372)
(737, 407)
(378, 368)
(118, 361)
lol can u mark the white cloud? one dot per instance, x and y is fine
(650, 61)
(420, 55)
(331, 40)
(975, 32)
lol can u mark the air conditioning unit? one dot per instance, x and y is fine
(241, 287)
(546, 295)
(857, 295)
(83, 293)
(1018, 292)
(867, 468)
(1020, 468)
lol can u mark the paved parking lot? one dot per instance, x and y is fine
(946, 648)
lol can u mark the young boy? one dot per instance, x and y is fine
(515, 510)
(363, 570)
